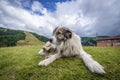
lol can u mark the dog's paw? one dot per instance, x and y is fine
(96, 67)
(43, 63)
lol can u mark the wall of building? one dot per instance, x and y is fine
(108, 43)
(116, 43)
(103, 43)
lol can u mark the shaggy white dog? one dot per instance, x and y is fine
(69, 44)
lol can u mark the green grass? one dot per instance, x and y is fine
(21, 63)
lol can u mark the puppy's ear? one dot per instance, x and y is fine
(68, 34)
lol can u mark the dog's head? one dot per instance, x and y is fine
(47, 49)
(61, 34)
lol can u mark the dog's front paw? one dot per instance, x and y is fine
(96, 67)
(43, 63)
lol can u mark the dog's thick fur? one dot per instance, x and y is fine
(69, 44)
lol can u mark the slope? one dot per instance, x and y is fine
(30, 39)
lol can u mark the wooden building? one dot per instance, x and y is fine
(108, 42)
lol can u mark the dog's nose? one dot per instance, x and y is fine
(44, 49)
(51, 40)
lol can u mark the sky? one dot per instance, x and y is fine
(86, 18)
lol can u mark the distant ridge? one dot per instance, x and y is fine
(10, 37)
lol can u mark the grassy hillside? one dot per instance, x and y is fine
(30, 39)
(40, 37)
(21, 63)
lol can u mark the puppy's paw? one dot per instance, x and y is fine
(43, 63)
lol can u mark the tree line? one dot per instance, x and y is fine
(10, 37)
(88, 41)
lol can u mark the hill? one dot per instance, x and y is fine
(9, 37)
(21, 63)
(30, 39)
(40, 37)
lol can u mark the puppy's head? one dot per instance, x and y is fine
(47, 49)
(61, 34)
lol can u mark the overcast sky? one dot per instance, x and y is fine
(84, 17)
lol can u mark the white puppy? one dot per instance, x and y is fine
(48, 50)
(69, 44)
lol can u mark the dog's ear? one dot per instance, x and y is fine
(68, 33)
(55, 30)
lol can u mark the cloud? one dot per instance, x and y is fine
(85, 17)
(38, 7)
(107, 16)
(18, 18)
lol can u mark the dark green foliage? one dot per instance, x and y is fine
(40, 37)
(91, 41)
(88, 41)
(9, 37)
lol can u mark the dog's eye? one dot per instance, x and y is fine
(58, 33)
(44, 49)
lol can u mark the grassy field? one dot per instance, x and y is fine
(21, 63)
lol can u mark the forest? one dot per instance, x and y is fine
(9, 37)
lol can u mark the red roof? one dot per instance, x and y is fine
(111, 38)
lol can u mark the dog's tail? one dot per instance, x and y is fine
(92, 65)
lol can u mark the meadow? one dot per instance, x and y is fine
(21, 63)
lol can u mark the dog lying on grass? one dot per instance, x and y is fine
(69, 44)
